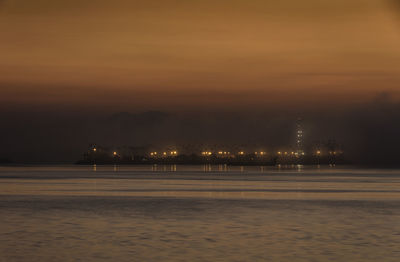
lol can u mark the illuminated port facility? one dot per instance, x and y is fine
(324, 153)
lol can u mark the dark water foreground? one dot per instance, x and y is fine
(134, 214)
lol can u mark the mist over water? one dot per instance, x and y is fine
(368, 133)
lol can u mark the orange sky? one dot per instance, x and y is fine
(127, 55)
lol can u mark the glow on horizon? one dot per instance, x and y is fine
(135, 54)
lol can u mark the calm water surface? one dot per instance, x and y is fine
(198, 213)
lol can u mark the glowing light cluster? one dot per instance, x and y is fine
(223, 153)
(206, 153)
(171, 153)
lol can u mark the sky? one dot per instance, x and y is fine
(177, 54)
(68, 66)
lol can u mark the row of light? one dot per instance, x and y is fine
(171, 153)
(223, 153)
(260, 153)
(208, 153)
(241, 153)
(330, 152)
(291, 153)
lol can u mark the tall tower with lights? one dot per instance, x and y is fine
(299, 137)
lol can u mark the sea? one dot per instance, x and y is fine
(199, 213)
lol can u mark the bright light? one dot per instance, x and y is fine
(279, 152)
(220, 152)
(94, 149)
(115, 153)
(165, 153)
(318, 152)
(241, 153)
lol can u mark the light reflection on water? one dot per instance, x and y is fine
(204, 168)
(198, 213)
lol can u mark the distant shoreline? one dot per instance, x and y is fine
(177, 163)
